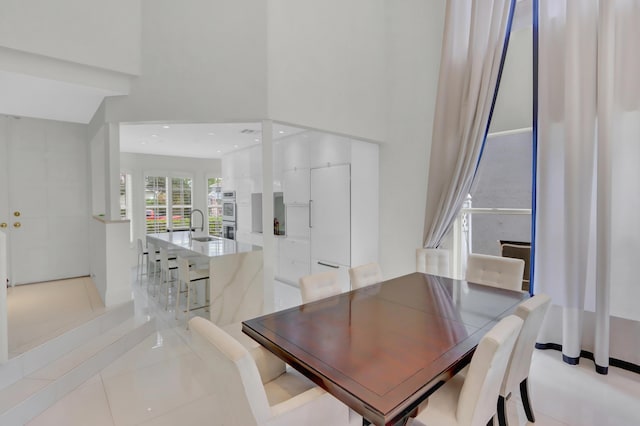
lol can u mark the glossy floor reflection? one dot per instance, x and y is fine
(38, 312)
(162, 382)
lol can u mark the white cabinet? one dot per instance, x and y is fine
(296, 186)
(330, 186)
(327, 149)
(295, 152)
(330, 214)
(298, 221)
(293, 259)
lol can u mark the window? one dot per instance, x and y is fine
(125, 194)
(214, 206)
(164, 212)
(125, 201)
(181, 204)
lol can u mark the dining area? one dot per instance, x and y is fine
(214, 373)
(421, 348)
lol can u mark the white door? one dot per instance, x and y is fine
(45, 199)
(4, 336)
(330, 215)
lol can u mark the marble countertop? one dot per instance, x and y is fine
(216, 247)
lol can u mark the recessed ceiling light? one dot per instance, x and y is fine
(154, 136)
(281, 131)
(257, 140)
(235, 146)
(166, 127)
(219, 151)
(211, 134)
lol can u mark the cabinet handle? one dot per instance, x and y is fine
(330, 266)
(310, 205)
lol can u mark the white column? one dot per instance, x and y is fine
(112, 172)
(268, 240)
(606, 77)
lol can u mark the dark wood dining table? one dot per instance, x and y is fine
(384, 349)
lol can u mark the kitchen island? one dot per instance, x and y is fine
(236, 290)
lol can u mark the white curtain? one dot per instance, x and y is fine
(475, 35)
(588, 87)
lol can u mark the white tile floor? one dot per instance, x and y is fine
(162, 382)
(41, 311)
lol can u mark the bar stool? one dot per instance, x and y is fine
(152, 265)
(167, 266)
(188, 277)
(142, 252)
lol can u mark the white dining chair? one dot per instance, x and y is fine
(365, 275)
(188, 277)
(496, 271)
(263, 392)
(532, 312)
(522, 251)
(319, 286)
(433, 261)
(471, 399)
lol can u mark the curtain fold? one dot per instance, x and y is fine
(587, 120)
(475, 40)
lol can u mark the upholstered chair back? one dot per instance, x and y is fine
(496, 271)
(532, 311)
(365, 275)
(433, 261)
(319, 286)
(479, 394)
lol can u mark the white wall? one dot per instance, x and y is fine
(90, 32)
(139, 165)
(202, 60)
(514, 105)
(413, 59)
(327, 65)
(97, 146)
(625, 227)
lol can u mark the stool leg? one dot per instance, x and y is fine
(178, 297)
(188, 304)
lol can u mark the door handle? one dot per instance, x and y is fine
(3, 225)
(330, 266)
(17, 225)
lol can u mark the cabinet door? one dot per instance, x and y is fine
(330, 214)
(327, 149)
(296, 186)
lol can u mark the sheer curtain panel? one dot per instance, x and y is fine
(589, 94)
(475, 40)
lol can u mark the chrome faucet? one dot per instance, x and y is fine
(191, 218)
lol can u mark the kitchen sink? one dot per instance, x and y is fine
(204, 239)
